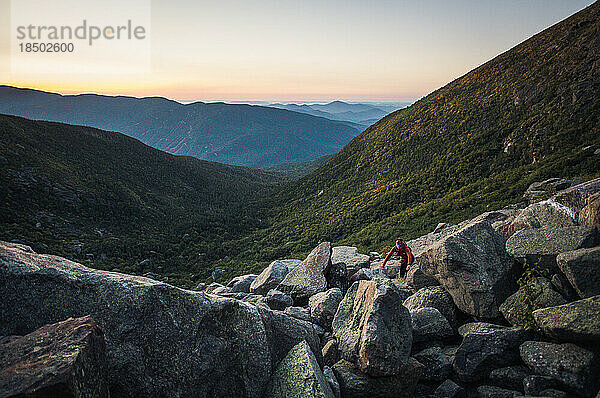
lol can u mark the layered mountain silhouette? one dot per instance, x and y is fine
(246, 135)
(357, 114)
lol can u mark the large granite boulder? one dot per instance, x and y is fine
(309, 277)
(65, 359)
(272, 276)
(548, 214)
(449, 389)
(241, 284)
(418, 279)
(350, 257)
(373, 329)
(324, 305)
(539, 247)
(575, 367)
(510, 377)
(299, 375)
(582, 269)
(576, 322)
(473, 266)
(160, 340)
(337, 277)
(437, 364)
(517, 309)
(356, 384)
(590, 214)
(546, 188)
(429, 325)
(436, 297)
(277, 300)
(486, 347)
(576, 197)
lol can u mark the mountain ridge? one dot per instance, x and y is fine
(246, 135)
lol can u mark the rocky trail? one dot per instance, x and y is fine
(506, 304)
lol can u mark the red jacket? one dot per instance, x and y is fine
(403, 251)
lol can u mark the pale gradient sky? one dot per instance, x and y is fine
(309, 50)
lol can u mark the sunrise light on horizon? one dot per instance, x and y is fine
(308, 51)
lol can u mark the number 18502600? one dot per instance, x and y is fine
(46, 47)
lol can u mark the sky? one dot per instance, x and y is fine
(280, 50)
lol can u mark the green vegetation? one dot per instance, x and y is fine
(110, 201)
(471, 146)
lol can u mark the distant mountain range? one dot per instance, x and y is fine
(361, 114)
(246, 135)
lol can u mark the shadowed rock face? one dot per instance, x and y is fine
(373, 328)
(66, 359)
(571, 365)
(473, 266)
(161, 340)
(308, 278)
(577, 322)
(299, 375)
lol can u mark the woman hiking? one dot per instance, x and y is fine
(406, 256)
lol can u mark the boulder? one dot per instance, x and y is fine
(536, 385)
(272, 276)
(299, 375)
(548, 213)
(510, 377)
(590, 214)
(429, 325)
(539, 247)
(402, 287)
(435, 297)
(337, 277)
(473, 266)
(210, 288)
(283, 332)
(517, 309)
(277, 300)
(582, 269)
(576, 322)
(564, 287)
(356, 384)
(350, 257)
(223, 291)
(333, 383)
(418, 280)
(573, 366)
(299, 313)
(66, 359)
(373, 329)
(577, 196)
(241, 284)
(160, 340)
(438, 365)
(486, 347)
(363, 274)
(496, 392)
(330, 351)
(449, 389)
(324, 305)
(308, 278)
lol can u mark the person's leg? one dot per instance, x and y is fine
(403, 266)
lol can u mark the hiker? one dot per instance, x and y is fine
(406, 256)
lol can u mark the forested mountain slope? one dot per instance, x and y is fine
(474, 144)
(107, 198)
